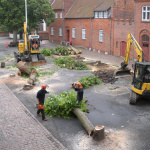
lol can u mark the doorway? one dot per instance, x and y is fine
(145, 46)
(123, 48)
(68, 35)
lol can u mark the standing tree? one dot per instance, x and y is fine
(12, 14)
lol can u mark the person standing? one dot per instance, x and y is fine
(40, 99)
(79, 89)
(70, 41)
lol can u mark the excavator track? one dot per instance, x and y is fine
(133, 98)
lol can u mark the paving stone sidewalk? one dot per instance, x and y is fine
(19, 129)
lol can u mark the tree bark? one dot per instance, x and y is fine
(32, 79)
(23, 67)
(15, 36)
(96, 132)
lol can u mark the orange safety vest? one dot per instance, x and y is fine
(35, 45)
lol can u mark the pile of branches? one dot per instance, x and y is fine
(105, 76)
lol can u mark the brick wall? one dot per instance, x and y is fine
(58, 23)
(44, 35)
(122, 24)
(4, 33)
(141, 27)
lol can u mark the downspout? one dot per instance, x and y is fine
(63, 20)
(110, 36)
(91, 33)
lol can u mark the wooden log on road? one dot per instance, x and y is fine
(24, 67)
(96, 132)
(32, 79)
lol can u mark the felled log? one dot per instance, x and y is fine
(96, 132)
(32, 79)
(24, 67)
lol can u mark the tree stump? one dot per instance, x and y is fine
(23, 67)
(27, 87)
(2, 64)
(96, 132)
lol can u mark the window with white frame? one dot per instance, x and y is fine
(61, 15)
(101, 14)
(73, 32)
(105, 14)
(96, 14)
(146, 13)
(52, 30)
(56, 15)
(60, 31)
(100, 35)
(83, 34)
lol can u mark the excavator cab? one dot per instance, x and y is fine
(141, 81)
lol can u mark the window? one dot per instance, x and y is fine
(61, 15)
(100, 35)
(73, 32)
(146, 13)
(96, 14)
(83, 34)
(105, 14)
(52, 30)
(56, 15)
(60, 31)
(101, 14)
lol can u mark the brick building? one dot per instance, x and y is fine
(100, 25)
(142, 25)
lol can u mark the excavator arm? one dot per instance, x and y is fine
(132, 41)
(25, 37)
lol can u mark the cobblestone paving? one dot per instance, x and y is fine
(19, 129)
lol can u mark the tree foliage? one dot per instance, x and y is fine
(12, 13)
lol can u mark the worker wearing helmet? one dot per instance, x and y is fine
(79, 89)
(40, 98)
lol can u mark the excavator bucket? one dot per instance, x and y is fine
(37, 60)
(122, 72)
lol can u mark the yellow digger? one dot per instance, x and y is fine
(29, 49)
(141, 77)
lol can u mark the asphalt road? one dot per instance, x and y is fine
(126, 126)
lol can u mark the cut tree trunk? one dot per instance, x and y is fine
(15, 36)
(23, 67)
(96, 132)
(32, 79)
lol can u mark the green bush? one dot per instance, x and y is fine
(47, 51)
(62, 50)
(62, 105)
(88, 81)
(70, 63)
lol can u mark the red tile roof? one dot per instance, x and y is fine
(105, 5)
(57, 4)
(85, 8)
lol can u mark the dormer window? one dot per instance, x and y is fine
(102, 14)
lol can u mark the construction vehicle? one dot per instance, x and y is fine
(29, 49)
(141, 76)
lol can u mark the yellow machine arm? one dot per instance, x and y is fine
(25, 36)
(132, 41)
